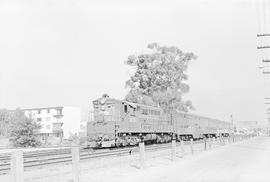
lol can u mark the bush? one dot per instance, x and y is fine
(24, 132)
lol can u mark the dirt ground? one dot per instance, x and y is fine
(242, 161)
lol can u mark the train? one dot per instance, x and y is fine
(121, 123)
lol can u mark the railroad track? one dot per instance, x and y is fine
(57, 156)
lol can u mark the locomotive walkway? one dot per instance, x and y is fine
(245, 161)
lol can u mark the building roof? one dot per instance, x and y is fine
(41, 108)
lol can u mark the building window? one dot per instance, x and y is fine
(144, 111)
(48, 110)
(59, 111)
(38, 111)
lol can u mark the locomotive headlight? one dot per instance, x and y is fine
(102, 108)
(102, 101)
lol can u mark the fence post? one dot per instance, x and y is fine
(213, 142)
(191, 146)
(210, 142)
(221, 140)
(205, 144)
(142, 154)
(75, 152)
(16, 166)
(173, 150)
(182, 148)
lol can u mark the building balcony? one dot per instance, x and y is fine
(57, 127)
(58, 116)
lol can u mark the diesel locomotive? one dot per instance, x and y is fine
(121, 123)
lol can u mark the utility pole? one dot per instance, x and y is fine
(233, 128)
(263, 34)
(263, 47)
(267, 102)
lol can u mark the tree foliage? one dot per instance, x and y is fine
(5, 122)
(160, 78)
(24, 132)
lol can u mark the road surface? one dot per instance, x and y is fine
(244, 161)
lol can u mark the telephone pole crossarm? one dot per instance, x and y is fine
(263, 47)
(263, 35)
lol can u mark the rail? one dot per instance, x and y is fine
(58, 156)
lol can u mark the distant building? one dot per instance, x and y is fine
(247, 124)
(56, 121)
(87, 116)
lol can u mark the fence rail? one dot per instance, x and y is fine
(17, 161)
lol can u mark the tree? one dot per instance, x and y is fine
(24, 131)
(5, 122)
(160, 77)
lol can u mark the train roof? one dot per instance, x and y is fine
(192, 114)
(135, 105)
(141, 105)
(108, 99)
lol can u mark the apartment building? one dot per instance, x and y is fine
(247, 124)
(56, 121)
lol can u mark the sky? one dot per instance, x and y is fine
(70, 52)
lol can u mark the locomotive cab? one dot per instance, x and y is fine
(101, 131)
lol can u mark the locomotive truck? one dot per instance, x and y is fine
(121, 123)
